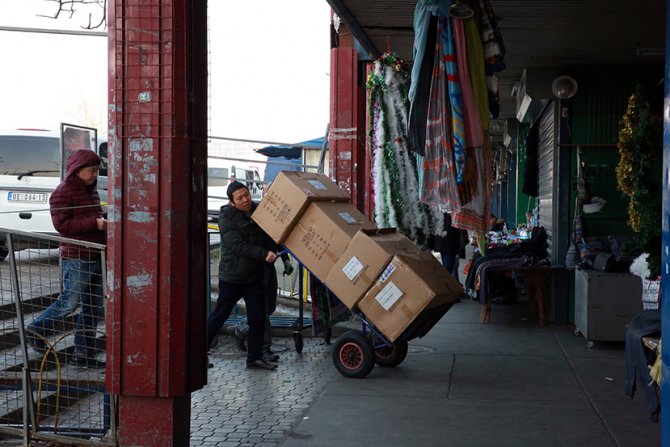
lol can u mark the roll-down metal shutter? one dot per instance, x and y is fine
(546, 169)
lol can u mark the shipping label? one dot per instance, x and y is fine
(389, 295)
(353, 268)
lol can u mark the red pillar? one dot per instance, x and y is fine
(348, 154)
(157, 237)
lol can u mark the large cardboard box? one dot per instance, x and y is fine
(288, 197)
(362, 262)
(411, 284)
(323, 233)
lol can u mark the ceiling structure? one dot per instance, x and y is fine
(536, 34)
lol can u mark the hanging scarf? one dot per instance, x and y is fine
(439, 188)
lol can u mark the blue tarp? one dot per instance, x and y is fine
(279, 155)
(290, 151)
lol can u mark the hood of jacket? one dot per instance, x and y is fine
(81, 158)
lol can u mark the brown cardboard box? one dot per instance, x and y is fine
(288, 197)
(410, 285)
(363, 261)
(323, 233)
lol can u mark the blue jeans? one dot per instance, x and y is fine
(82, 285)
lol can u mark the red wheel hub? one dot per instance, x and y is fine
(351, 355)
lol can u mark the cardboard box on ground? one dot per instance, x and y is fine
(289, 196)
(364, 259)
(410, 285)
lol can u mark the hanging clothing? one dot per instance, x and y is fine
(475, 54)
(474, 136)
(420, 91)
(474, 215)
(439, 186)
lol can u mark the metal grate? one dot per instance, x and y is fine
(53, 341)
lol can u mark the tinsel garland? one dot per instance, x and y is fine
(394, 170)
(639, 174)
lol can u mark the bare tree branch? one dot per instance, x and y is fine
(71, 7)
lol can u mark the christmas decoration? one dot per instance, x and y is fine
(639, 175)
(394, 167)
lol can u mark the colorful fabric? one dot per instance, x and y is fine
(474, 136)
(475, 54)
(455, 95)
(473, 215)
(439, 186)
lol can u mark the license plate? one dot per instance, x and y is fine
(27, 197)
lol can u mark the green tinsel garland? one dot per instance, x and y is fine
(639, 174)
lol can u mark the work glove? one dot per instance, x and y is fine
(288, 267)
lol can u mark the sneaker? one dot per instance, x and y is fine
(261, 364)
(270, 356)
(37, 343)
(87, 362)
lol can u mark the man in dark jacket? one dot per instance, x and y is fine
(245, 250)
(76, 214)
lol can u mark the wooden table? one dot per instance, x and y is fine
(533, 276)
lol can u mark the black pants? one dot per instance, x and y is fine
(229, 295)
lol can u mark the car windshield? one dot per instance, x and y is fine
(217, 176)
(28, 155)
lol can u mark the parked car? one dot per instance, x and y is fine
(30, 164)
(219, 175)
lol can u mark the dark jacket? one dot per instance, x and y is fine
(244, 246)
(451, 243)
(75, 207)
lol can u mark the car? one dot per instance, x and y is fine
(30, 166)
(220, 173)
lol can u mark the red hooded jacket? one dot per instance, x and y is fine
(75, 207)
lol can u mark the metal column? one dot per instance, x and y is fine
(665, 269)
(157, 237)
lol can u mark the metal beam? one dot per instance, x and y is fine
(343, 12)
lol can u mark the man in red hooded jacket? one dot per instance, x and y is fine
(76, 214)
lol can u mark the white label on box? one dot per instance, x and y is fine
(387, 272)
(348, 218)
(352, 268)
(389, 295)
(317, 184)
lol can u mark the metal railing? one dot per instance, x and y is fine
(52, 350)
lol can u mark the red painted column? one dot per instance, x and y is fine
(348, 154)
(157, 236)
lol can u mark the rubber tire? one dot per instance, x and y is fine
(392, 356)
(298, 342)
(353, 355)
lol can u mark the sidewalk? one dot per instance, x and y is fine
(506, 383)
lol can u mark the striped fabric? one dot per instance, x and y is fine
(439, 186)
(455, 95)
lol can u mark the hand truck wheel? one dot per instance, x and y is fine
(298, 342)
(353, 355)
(391, 356)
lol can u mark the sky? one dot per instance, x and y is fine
(268, 70)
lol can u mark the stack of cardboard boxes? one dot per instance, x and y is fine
(377, 271)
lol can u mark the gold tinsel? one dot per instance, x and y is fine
(625, 169)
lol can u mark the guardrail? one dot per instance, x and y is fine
(46, 391)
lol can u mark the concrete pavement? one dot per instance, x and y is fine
(506, 383)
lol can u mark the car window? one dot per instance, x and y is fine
(217, 176)
(37, 156)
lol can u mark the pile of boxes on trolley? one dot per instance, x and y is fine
(378, 272)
